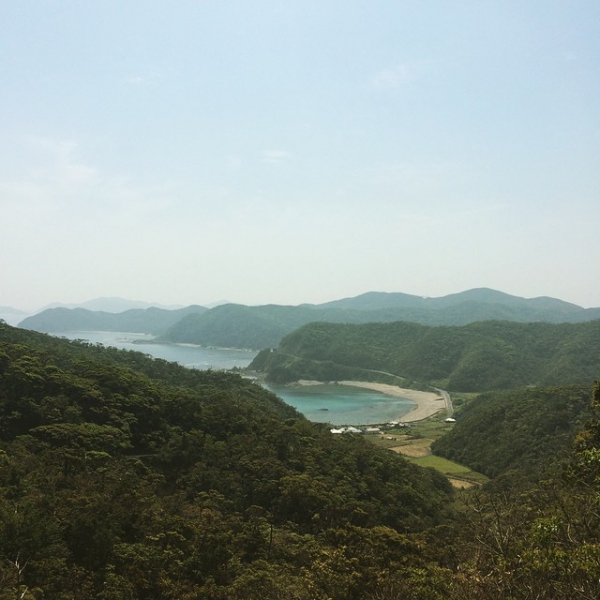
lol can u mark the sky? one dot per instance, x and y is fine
(269, 151)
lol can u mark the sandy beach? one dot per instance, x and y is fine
(427, 404)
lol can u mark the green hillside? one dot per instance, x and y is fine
(518, 431)
(476, 357)
(124, 478)
(239, 326)
(128, 477)
(494, 302)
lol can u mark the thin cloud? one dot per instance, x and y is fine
(55, 173)
(60, 182)
(150, 77)
(392, 78)
(275, 156)
(399, 76)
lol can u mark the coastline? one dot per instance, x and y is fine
(427, 404)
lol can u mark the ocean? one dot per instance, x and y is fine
(327, 403)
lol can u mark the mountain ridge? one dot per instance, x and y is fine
(110, 304)
(264, 326)
(257, 327)
(136, 320)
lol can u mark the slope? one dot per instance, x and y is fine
(128, 477)
(476, 357)
(523, 431)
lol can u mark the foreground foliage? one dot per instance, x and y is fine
(127, 477)
(123, 477)
(543, 541)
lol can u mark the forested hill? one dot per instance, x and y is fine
(258, 327)
(123, 477)
(476, 357)
(128, 477)
(138, 320)
(520, 432)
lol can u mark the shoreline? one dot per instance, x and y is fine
(427, 404)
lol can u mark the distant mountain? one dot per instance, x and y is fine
(111, 305)
(148, 320)
(218, 303)
(543, 308)
(257, 327)
(376, 301)
(264, 326)
(482, 356)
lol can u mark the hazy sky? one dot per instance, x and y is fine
(293, 151)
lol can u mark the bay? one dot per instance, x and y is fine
(325, 403)
(193, 357)
(343, 404)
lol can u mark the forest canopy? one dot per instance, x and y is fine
(126, 477)
(477, 357)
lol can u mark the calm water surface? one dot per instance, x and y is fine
(194, 357)
(331, 403)
(342, 404)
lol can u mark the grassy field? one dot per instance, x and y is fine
(455, 472)
(414, 443)
(441, 464)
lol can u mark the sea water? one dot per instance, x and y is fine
(326, 403)
(343, 404)
(191, 356)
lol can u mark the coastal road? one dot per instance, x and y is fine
(445, 395)
(447, 400)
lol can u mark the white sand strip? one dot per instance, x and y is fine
(427, 404)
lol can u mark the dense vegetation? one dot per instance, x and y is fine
(476, 357)
(128, 477)
(517, 431)
(238, 326)
(541, 541)
(258, 327)
(123, 478)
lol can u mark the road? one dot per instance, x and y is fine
(441, 392)
(447, 400)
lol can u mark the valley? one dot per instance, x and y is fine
(494, 434)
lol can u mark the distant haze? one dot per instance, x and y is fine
(298, 152)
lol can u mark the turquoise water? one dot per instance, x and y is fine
(343, 405)
(332, 403)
